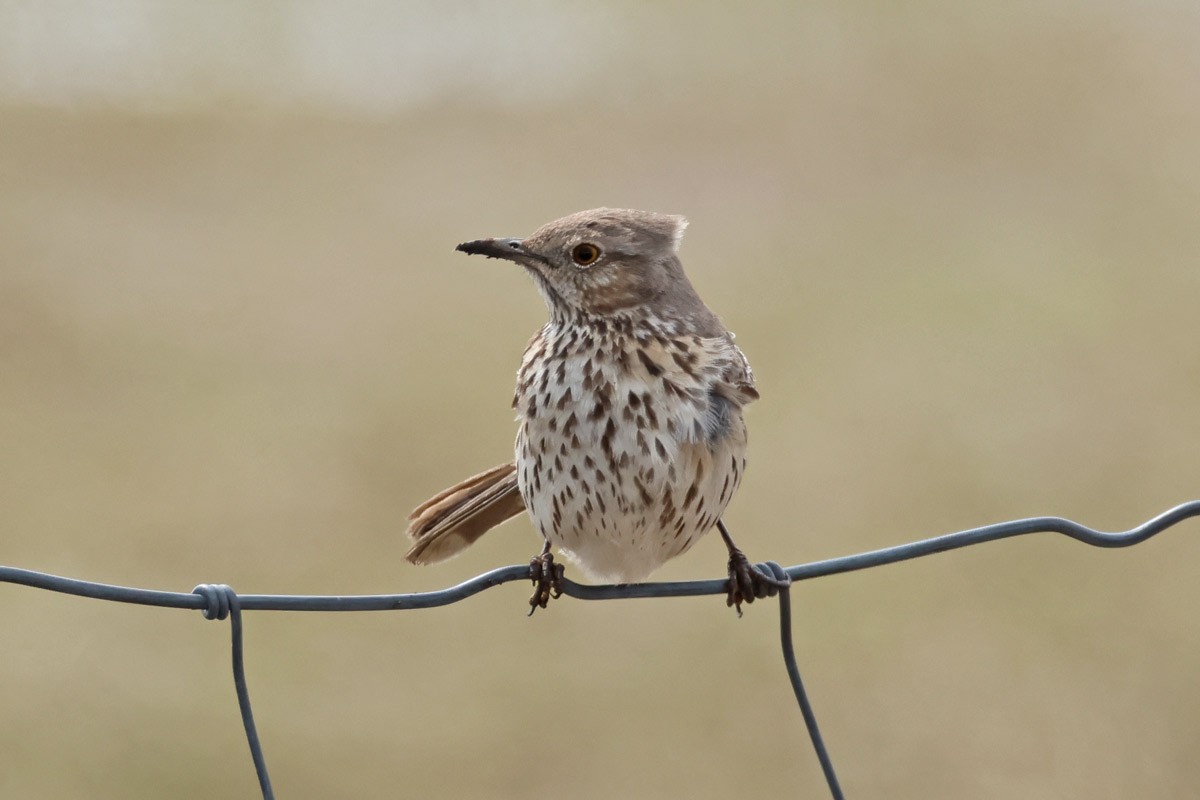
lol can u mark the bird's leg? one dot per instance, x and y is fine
(547, 579)
(745, 582)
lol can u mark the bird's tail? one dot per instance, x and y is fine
(445, 524)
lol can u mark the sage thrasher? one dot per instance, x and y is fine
(630, 400)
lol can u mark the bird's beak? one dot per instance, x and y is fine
(508, 249)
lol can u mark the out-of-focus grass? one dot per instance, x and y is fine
(960, 250)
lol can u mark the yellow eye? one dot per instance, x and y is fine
(585, 254)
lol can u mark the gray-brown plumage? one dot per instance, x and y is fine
(631, 439)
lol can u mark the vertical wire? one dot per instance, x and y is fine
(789, 660)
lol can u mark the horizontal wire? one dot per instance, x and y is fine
(502, 575)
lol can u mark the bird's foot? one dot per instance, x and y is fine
(547, 576)
(746, 583)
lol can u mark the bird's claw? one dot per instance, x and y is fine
(746, 584)
(547, 579)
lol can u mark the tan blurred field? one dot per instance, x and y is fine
(960, 244)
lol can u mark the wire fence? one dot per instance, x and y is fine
(218, 601)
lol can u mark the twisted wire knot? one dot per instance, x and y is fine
(220, 598)
(777, 572)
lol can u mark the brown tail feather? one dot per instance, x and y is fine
(448, 522)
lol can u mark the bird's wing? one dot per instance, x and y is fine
(736, 379)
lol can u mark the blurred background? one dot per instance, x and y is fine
(957, 241)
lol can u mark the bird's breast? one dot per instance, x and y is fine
(625, 455)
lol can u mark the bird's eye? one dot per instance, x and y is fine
(585, 254)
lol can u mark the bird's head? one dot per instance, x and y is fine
(607, 262)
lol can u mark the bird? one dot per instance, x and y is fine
(630, 400)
